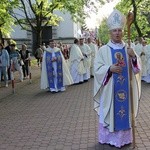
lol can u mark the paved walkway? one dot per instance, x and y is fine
(32, 119)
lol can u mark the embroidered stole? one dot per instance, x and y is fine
(121, 91)
(50, 70)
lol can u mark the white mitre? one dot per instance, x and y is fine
(116, 20)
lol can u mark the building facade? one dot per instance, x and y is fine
(65, 32)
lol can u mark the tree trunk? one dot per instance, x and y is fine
(39, 37)
(135, 21)
(1, 37)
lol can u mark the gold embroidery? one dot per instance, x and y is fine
(121, 112)
(121, 96)
(120, 79)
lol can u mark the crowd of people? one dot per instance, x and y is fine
(11, 60)
(78, 59)
(112, 65)
(63, 65)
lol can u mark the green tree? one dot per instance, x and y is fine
(103, 32)
(6, 20)
(35, 15)
(140, 9)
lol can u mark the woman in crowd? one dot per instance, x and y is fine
(25, 56)
(4, 64)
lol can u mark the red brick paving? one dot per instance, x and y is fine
(33, 119)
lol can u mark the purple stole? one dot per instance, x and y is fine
(50, 69)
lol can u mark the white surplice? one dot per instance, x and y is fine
(76, 64)
(104, 93)
(94, 49)
(86, 51)
(139, 48)
(67, 79)
(104, 96)
(147, 64)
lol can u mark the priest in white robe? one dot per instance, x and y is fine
(138, 47)
(112, 97)
(147, 55)
(55, 73)
(141, 50)
(94, 49)
(76, 66)
(86, 51)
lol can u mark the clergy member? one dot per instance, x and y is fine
(94, 49)
(86, 51)
(140, 49)
(146, 48)
(77, 69)
(111, 85)
(55, 74)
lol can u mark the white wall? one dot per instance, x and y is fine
(18, 33)
(66, 29)
(77, 29)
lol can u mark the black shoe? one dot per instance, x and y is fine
(85, 80)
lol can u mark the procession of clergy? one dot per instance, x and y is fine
(143, 51)
(57, 73)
